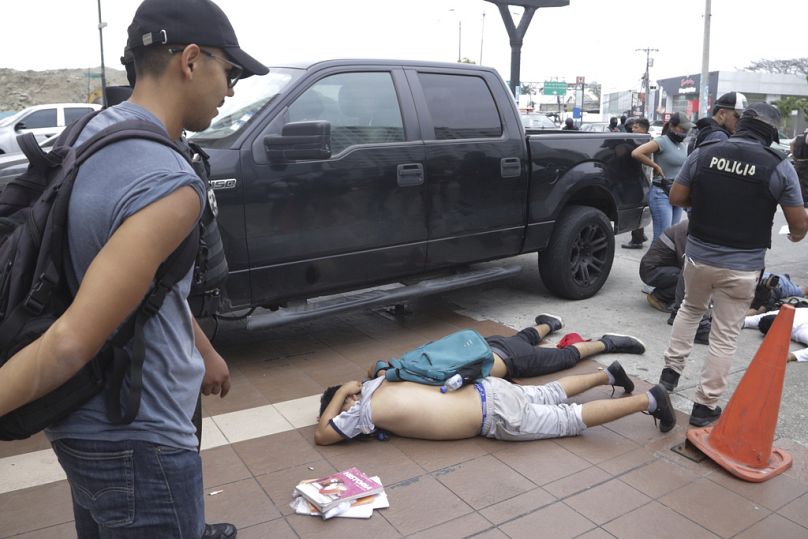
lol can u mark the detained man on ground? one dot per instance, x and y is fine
(493, 407)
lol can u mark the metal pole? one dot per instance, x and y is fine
(705, 64)
(482, 35)
(644, 106)
(647, 51)
(101, 26)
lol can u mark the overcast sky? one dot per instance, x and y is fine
(591, 38)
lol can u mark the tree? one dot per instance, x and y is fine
(529, 90)
(787, 104)
(794, 66)
(594, 87)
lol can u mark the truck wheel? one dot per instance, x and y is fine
(579, 257)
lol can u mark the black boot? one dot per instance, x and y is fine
(669, 379)
(702, 415)
(222, 530)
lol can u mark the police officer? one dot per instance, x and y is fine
(721, 125)
(799, 153)
(733, 188)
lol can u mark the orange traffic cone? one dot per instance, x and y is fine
(741, 441)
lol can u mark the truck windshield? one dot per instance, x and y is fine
(251, 94)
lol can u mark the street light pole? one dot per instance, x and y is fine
(705, 64)
(459, 39)
(459, 34)
(647, 51)
(482, 35)
(101, 26)
(517, 33)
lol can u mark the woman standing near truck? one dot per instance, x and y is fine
(665, 155)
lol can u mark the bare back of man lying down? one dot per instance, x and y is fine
(494, 408)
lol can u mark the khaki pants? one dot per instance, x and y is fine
(732, 293)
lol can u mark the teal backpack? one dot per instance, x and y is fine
(465, 353)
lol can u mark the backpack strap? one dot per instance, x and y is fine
(168, 274)
(128, 129)
(380, 365)
(37, 157)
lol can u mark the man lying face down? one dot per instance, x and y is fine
(494, 407)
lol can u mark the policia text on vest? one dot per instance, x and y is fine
(733, 167)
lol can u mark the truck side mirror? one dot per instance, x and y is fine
(19, 126)
(300, 140)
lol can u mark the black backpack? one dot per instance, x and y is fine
(34, 271)
(210, 268)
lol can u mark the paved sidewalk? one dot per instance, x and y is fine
(619, 480)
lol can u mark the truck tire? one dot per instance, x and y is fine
(579, 257)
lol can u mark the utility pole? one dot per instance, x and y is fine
(648, 62)
(704, 94)
(101, 26)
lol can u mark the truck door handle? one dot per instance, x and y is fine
(510, 167)
(410, 174)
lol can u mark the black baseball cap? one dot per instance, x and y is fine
(160, 22)
(731, 100)
(768, 114)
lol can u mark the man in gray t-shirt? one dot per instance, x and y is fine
(134, 202)
(733, 188)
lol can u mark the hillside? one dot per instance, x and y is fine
(20, 89)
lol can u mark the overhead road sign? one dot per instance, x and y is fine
(552, 87)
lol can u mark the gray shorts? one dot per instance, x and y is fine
(514, 412)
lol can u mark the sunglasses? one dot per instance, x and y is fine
(233, 73)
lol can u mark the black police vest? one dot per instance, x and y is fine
(731, 201)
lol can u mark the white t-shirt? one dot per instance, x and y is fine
(357, 419)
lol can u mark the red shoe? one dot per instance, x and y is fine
(570, 339)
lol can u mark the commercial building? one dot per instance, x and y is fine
(681, 94)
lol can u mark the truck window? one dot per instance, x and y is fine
(40, 118)
(449, 98)
(361, 107)
(74, 113)
(251, 95)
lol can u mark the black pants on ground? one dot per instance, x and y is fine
(523, 358)
(663, 279)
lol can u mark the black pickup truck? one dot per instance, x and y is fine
(341, 175)
(338, 176)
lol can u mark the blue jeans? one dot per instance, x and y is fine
(786, 288)
(662, 213)
(133, 489)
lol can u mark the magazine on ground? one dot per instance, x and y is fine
(359, 508)
(330, 491)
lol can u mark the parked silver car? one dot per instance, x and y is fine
(44, 121)
(537, 121)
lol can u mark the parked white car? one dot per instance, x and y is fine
(44, 121)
